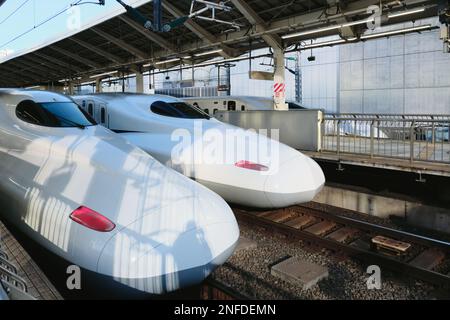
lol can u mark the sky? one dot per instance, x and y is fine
(33, 12)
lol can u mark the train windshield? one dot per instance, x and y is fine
(295, 106)
(54, 114)
(178, 110)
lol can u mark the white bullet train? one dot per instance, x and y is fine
(90, 197)
(244, 167)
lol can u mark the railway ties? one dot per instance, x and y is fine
(215, 290)
(417, 256)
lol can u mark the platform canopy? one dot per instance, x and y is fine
(117, 43)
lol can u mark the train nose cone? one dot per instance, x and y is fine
(298, 180)
(172, 247)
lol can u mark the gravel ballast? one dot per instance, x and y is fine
(249, 272)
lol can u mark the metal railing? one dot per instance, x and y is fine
(12, 286)
(407, 137)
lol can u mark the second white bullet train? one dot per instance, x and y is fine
(243, 167)
(92, 198)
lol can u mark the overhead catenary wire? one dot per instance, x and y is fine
(76, 3)
(14, 12)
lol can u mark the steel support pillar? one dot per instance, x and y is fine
(139, 82)
(71, 88)
(98, 85)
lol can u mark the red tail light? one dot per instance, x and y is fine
(251, 165)
(92, 220)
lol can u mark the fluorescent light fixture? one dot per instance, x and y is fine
(161, 62)
(304, 33)
(88, 83)
(208, 53)
(404, 13)
(355, 23)
(187, 57)
(328, 43)
(103, 74)
(395, 32)
(167, 61)
(338, 26)
(231, 59)
(32, 87)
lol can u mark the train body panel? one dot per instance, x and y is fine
(211, 105)
(197, 146)
(48, 173)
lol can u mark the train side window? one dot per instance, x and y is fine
(242, 108)
(103, 115)
(231, 105)
(91, 109)
(216, 102)
(206, 111)
(177, 110)
(215, 110)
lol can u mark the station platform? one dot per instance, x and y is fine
(37, 285)
(418, 167)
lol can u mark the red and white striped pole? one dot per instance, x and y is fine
(279, 86)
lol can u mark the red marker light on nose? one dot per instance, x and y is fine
(251, 165)
(92, 220)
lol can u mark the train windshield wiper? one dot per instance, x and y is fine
(76, 124)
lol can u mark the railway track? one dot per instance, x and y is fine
(420, 257)
(214, 290)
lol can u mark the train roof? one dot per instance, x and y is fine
(130, 100)
(231, 97)
(135, 97)
(35, 95)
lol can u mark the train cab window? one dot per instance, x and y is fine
(295, 106)
(91, 109)
(242, 108)
(103, 115)
(231, 105)
(177, 110)
(53, 114)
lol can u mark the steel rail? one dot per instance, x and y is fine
(353, 251)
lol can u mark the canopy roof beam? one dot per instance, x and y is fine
(198, 30)
(247, 11)
(75, 57)
(57, 61)
(150, 35)
(97, 50)
(121, 44)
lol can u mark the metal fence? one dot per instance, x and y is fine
(189, 92)
(408, 137)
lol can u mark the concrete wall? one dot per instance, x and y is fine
(415, 214)
(320, 78)
(401, 74)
